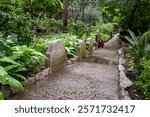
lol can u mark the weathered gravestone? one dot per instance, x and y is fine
(81, 50)
(90, 45)
(97, 38)
(56, 55)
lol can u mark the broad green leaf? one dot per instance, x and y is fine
(7, 60)
(10, 67)
(12, 82)
(20, 77)
(133, 37)
(73, 54)
(6, 79)
(20, 69)
(2, 71)
(68, 50)
(16, 55)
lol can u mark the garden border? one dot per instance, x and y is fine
(124, 82)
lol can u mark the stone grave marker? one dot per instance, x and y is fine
(90, 45)
(81, 50)
(56, 55)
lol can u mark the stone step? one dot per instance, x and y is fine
(99, 60)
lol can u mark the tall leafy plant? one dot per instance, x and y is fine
(29, 58)
(139, 47)
(5, 46)
(143, 83)
(16, 26)
(10, 74)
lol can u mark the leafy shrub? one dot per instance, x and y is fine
(143, 83)
(103, 36)
(12, 67)
(5, 46)
(77, 28)
(69, 40)
(139, 47)
(106, 28)
(29, 58)
(140, 52)
(52, 25)
(10, 74)
(70, 48)
(41, 45)
(16, 26)
(91, 15)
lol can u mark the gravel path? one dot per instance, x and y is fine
(95, 78)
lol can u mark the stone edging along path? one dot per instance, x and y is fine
(91, 77)
(124, 82)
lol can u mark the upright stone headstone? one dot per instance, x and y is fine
(56, 55)
(90, 45)
(97, 35)
(81, 50)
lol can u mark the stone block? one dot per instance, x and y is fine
(81, 50)
(29, 81)
(56, 55)
(43, 74)
(126, 82)
(90, 45)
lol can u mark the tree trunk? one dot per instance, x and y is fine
(65, 15)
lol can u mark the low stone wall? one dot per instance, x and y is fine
(124, 82)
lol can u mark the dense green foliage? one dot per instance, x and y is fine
(52, 25)
(39, 8)
(78, 28)
(28, 57)
(69, 40)
(23, 22)
(132, 14)
(139, 47)
(16, 26)
(10, 74)
(18, 21)
(143, 83)
(140, 51)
